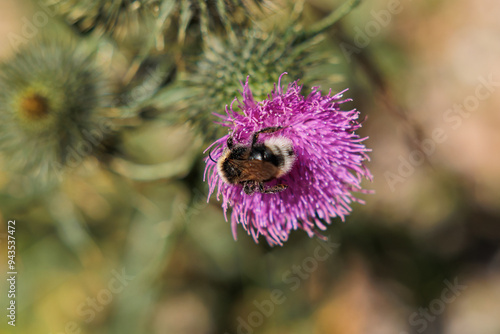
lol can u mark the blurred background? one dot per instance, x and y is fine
(125, 241)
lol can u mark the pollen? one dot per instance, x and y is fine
(34, 106)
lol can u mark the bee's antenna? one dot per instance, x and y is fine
(210, 156)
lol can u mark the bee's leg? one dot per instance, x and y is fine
(265, 130)
(249, 187)
(229, 142)
(270, 129)
(272, 190)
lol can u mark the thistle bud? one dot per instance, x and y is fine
(121, 19)
(216, 79)
(52, 99)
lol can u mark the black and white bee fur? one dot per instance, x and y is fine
(254, 164)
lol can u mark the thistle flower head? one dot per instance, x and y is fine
(328, 168)
(51, 100)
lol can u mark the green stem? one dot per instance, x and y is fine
(73, 230)
(334, 17)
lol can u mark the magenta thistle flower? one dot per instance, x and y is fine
(327, 168)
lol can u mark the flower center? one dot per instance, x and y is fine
(34, 106)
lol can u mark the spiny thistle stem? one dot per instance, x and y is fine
(333, 17)
(225, 21)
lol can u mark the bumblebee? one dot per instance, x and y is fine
(254, 164)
